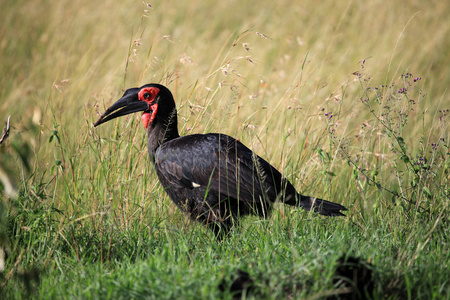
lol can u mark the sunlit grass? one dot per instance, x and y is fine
(305, 86)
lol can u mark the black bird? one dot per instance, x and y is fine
(212, 177)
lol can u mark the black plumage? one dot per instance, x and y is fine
(213, 177)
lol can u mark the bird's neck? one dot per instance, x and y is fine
(161, 132)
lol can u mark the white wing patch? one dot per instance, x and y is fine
(195, 185)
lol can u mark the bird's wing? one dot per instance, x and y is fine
(221, 164)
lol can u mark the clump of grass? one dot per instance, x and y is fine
(399, 170)
(411, 168)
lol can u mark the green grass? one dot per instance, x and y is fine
(321, 90)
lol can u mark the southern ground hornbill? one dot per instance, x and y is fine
(212, 177)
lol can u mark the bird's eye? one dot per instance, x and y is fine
(146, 95)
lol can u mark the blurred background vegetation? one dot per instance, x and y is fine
(288, 79)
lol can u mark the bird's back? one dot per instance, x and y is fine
(195, 165)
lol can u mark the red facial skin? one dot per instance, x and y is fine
(148, 95)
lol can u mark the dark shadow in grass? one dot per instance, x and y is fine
(353, 278)
(241, 283)
(31, 279)
(25, 282)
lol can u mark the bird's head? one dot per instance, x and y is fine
(155, 100)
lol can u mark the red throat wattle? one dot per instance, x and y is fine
(148, 95)
(149, 117)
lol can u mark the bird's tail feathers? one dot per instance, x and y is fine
(320, 206)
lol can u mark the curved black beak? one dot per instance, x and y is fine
(129, 103)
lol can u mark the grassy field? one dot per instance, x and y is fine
(349, 100)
